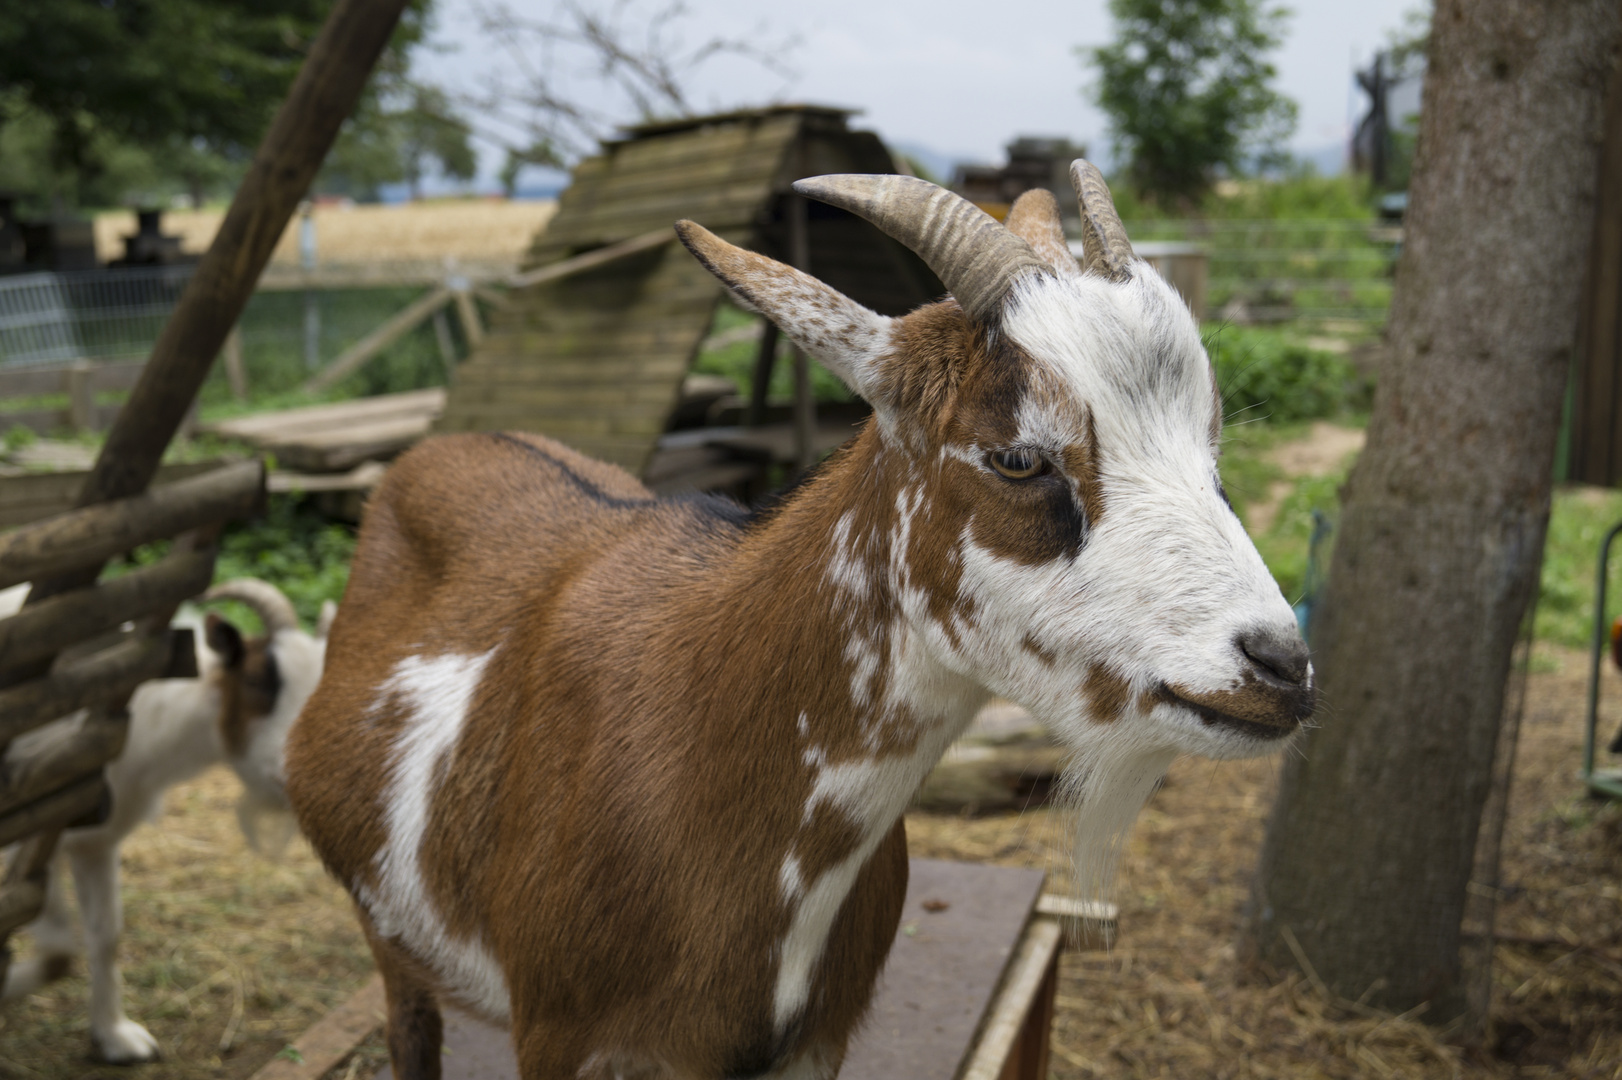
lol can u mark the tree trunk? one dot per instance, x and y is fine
(1369, 851)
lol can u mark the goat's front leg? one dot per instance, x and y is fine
(54, 944)
(116, 1038)
(415, 1032)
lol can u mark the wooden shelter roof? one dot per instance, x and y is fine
(597, 359)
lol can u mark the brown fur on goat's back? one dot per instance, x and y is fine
(475, 542)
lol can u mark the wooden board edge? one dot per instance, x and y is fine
(1006, 1017)
(333, 1037)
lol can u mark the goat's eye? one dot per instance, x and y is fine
(1018, 464)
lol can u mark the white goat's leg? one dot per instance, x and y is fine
(54, 941)
(116, 1037)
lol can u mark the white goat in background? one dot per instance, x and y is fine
(237, 711)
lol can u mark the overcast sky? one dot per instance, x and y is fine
(959, 77)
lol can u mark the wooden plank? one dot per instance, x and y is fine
(333, 1037)
(1006, 1020)
(356, 356)
(90, 536)
(633, 184)
(336, 413)
(1097, 920)
(958, 972)
(592, 259)
(287, 423)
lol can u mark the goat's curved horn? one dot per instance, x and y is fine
(973, 254)
(1103, 238)
(266, 600)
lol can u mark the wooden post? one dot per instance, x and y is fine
(442, 338)
(468, 312)
(235, 373)
(76, 380)
(805, 406)
(760, 384)
(369, 346)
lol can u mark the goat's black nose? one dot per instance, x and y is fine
(1283, 654)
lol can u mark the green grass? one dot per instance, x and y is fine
(1577, 523)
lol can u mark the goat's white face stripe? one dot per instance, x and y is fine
(433, 695)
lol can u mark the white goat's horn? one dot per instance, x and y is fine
(266, 600)
(973, 254)
(1104, 245)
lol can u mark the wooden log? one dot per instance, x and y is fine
(87, 537)
(592, 259)
(25, 777)
(102, 676)
(58, 809)
(355, 357)
(44, 629)
(320, 99)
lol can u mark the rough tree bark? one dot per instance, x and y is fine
(1369, 850)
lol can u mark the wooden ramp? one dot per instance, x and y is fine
(967, 994)
(596, 359)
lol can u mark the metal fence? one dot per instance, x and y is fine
(92, 314)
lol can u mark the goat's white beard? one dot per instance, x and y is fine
(1107, 785)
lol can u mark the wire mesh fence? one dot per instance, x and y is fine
(286, 335)
(1281, 271)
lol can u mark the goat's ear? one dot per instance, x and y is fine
(225, 639)
(850, 340)
(1034, 218)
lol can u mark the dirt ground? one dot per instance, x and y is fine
(229, 955)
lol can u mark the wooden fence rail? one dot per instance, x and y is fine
(90, 536)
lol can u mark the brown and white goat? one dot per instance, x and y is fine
(628, 773)
(238, 711)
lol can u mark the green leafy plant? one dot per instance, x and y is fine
(1270, 374)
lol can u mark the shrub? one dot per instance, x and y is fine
(1269, 374)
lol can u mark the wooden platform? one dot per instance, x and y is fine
(967, 994)
(333, 438)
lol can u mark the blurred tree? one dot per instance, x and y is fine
(1378, 840)
(149, 72)
(1187, 89)
(187, 85)
(536, 153)
(400, 131)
